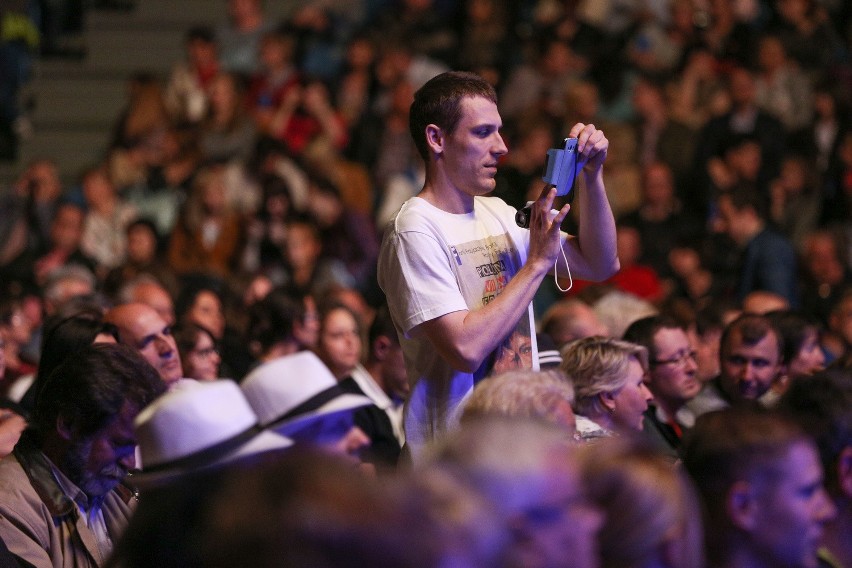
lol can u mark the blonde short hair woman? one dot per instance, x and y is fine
(608, 377)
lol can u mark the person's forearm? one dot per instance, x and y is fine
(596, 232)
(464, 339)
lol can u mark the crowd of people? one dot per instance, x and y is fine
(291, 314)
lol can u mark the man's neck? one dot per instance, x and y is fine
(441, 193)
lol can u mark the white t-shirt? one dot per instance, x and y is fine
(433, 263)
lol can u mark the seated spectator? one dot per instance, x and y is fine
(64, 502)
(297, 396)
(541, 395)
(383, 376)
(825, 273)
(609, 388)
(536, 488)
(28, 209)
(761, 485)
(652, 513)
(143, 258)
(570, 319)
(802, 354)
(750, 362)
(227, 132)
(278, 76)
(142, 328)
(62, 249)
(671, 379)
(107, 218)
(63, 337)
(145, 289)
(277, 326)
(207, 237)
(198, 352)
(822, 406)
(187, 87)
(308, 271)
(340, 348)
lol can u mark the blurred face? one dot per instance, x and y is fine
(393, 371)
(792, 511)
(747, 371)
(307, 331)
(471, 152)
(340, 342)
(673, 374)
(840, 320)
(202, 363)
(67, 228)
(141, 245)
(206, 311)
(302, 246)
(98, 464)
(658, 187)
(561, 524)
(632, 400)
(810, 357)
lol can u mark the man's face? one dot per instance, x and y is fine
(673, 376)
(471, 152)
(145, 330)
(97, 464)
(747, 371)
(792, 510)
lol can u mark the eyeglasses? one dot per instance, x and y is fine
(208, 352)
(677, 360)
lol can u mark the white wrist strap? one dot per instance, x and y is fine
(555, 277)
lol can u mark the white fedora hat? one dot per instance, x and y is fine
(294, 391)
(198, 426)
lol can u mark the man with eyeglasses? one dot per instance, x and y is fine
(672, 379)
(750, 361)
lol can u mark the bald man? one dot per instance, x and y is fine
(140, 326)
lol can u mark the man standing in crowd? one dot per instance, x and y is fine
(672, 378)
(62, 502)
(458, 272)
(142, 328)
(761, 483)
(750, 361)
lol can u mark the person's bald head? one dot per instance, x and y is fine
(141, 327)
(149, 291)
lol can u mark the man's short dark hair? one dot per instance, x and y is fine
(752, 328)
(731, 445)
(438, 102)
(643, 331)
(89, 390)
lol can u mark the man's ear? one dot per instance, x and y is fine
(381, 347)
(63, 428)
(435, 138)
(741, 506)
(844, 471)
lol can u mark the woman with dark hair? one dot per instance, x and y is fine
(199, 354)
(64, 336)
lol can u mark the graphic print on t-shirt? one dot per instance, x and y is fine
(483, 268)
